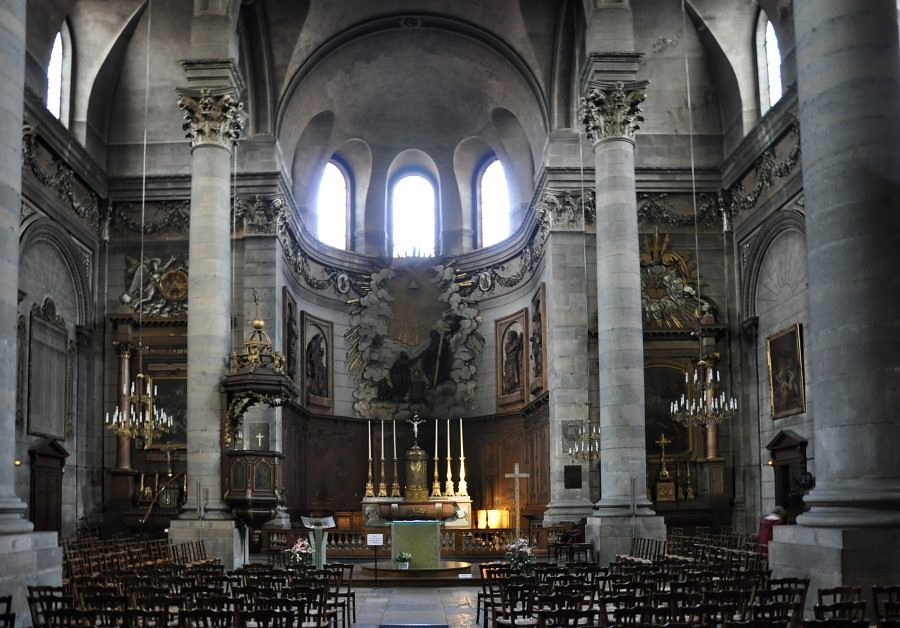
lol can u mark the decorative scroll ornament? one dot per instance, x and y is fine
(613, 110)
(260, 215)
(164, 288)
(658, 209)
(174, 217)
(212, 116)
(767, 169)
(668, 297)
(568, 210)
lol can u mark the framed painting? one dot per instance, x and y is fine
(787, 388)
(171, 395)
(538, 342)
(317, 356)
(511, 333)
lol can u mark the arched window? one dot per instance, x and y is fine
(413, 205)
(768, 61)
(59, 75)
(493, 204)
(55, 77)
(333, 207)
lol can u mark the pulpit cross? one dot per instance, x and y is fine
(516, 476)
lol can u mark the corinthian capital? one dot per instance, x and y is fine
(613, 110)
(212, 116)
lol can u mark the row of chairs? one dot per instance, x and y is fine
(99, 557)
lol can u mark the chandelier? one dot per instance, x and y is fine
(586, 447)
(704, 403)
(140, 416)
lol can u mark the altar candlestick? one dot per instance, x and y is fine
(394, 430)
(448, 485)
(462, 452)
(435, 439)
(436, 484)
(382, 439)
(369, 428)
(382, 483)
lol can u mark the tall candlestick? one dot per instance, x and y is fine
(462, 451)
(448, 485)
(436, 484)
(382, 480)
(435, 439)
(369, 428)
(394, 430)
(382, 439)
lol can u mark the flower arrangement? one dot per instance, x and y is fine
(519, 555)
(301, 552)
(404, 557)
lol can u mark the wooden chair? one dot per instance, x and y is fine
(839, 594)
(841, 610)
(886, 600)
(518, 604)
(205, 618)
(548, 618)
(346, 592)
(69, 617)
(492, 575)
(145, 618)
(268, 618)
(835, 622)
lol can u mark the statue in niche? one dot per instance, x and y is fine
(537, 341)
(291, 340)
(512, 361)
(401, 374)
(316, 371)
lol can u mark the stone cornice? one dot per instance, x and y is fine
(612, 110)
(609, 66)
(212, 116)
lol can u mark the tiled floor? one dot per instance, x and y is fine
(454, 606)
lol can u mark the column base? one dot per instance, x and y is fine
(832, 557)
(33, 558)
(566, 511)
(223, 539)
(611, 535)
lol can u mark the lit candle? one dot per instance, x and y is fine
(382, 439)
(435, 439)
(394, 430)
(462, 452)
(369, 428)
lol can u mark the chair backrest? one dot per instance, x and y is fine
(839, 594)
(7, 620)
(836, 622)
(841, 610)
(269, 618)
(882, 595)
(205, 618)
(69, 617)
(142, 617)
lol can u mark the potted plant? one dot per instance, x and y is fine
(403, 559)
(519, 555)
(300, 553)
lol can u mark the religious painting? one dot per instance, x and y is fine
(784, 351)
(289, 335)
(538, 370)
(318, 369)
(49, 373)
(663, 384)
(171, 396)
(512, 359)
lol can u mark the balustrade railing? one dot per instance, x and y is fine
(455, 543)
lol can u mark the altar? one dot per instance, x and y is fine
(421, 539)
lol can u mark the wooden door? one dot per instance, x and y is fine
(47, 462)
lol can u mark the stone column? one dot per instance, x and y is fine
(123, 442)
(28, 557)
(611, 114)
(213, 121)
(849, 95)
(12, 73)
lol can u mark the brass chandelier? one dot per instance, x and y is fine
(704, 403)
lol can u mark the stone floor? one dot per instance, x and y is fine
(452, 606)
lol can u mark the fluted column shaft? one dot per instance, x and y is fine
(12, 76)
(611, 115)
(849, 94)
(213, 120)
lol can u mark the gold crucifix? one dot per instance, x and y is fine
(662, 441)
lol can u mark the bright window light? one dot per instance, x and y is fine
(773, 64)
(331, 207)
(54, 77)
(494, 204)
(412, 207)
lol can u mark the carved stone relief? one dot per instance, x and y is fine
(568, 210)
(767, 170)
(172, 217)
(157, 286)
(676, 210)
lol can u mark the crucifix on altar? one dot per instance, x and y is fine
(516, 476)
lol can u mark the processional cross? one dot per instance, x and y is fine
(662, 441)
(516, 476)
